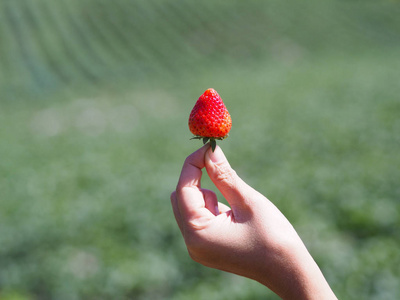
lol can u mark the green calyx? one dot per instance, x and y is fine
(212, 140)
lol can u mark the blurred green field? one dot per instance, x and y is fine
(94, 102)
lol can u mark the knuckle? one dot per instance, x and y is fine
(194, 246)
(226, 175)
(196, 239)
(173, 197)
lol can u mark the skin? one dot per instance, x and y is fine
(251, 238)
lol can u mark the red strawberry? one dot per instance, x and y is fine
(209, 119)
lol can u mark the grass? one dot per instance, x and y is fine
(94, 134)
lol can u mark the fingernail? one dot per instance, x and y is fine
(217, 155)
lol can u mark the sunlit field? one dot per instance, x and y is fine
(94, 102)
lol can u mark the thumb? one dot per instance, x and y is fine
(231, 186)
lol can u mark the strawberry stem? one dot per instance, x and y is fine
(213, 143)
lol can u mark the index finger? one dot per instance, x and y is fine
(189, 195)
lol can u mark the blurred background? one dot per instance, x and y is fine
(94, 102)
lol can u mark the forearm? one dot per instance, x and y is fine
(299, 278)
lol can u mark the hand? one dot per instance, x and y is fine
(251, 238)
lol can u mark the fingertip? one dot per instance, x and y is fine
(191, 170)
(211, 201)
(216, 156)
(219, 169)
(197, 157)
